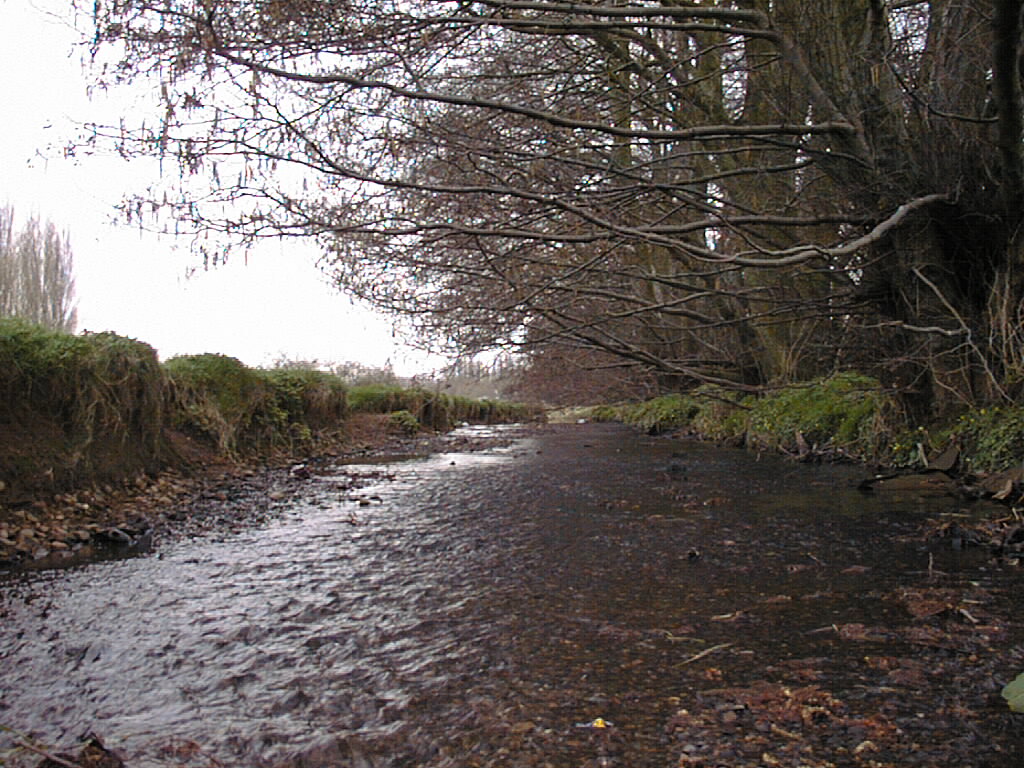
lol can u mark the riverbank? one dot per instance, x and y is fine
(848, 418)
(214, 496)
(98, 437)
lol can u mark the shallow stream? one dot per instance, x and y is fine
(481, 609)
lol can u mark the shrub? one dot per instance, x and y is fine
(722, 414)
(662, 413)
(992, 437)
(378, 398)
(314, 400)
(435, 410)
(218, 398)
(404, 423)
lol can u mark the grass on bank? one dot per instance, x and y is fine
(991, 438)
(76, 410)
(434, 409)
(849, 414)
(242, 410)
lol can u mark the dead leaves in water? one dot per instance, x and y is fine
(93, 754)
(939, 617)
(928, 681)
(769, 724)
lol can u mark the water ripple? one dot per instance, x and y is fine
(481, 596)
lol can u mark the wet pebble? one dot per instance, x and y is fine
(116, 535)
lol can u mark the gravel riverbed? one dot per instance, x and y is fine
(214, 497)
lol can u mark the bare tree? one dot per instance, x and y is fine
(36, 273)
(740, 191)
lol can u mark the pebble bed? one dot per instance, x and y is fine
(94, 522)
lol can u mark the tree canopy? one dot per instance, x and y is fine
(737, 191)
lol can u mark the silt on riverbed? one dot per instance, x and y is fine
(485, 609)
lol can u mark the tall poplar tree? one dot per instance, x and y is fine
(36, 273)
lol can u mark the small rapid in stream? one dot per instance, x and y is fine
(478, 611)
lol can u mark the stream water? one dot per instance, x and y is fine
(480, 610)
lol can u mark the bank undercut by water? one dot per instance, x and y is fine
(76, 409)
(81, 410)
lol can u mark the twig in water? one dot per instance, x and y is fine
(705, 652)
(819, 630)
(680, 638)
(48, 755)
(966, 614)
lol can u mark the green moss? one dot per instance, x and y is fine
(992, 437)
(845, 411)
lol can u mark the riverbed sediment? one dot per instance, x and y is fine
(585, 596)
(209, 494)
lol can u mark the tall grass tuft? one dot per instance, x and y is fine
(76, 407)
(219, 399)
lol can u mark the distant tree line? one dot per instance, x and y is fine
(36, 273)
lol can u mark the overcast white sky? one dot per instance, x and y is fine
(134, 283)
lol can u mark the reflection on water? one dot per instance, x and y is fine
(479, 609)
